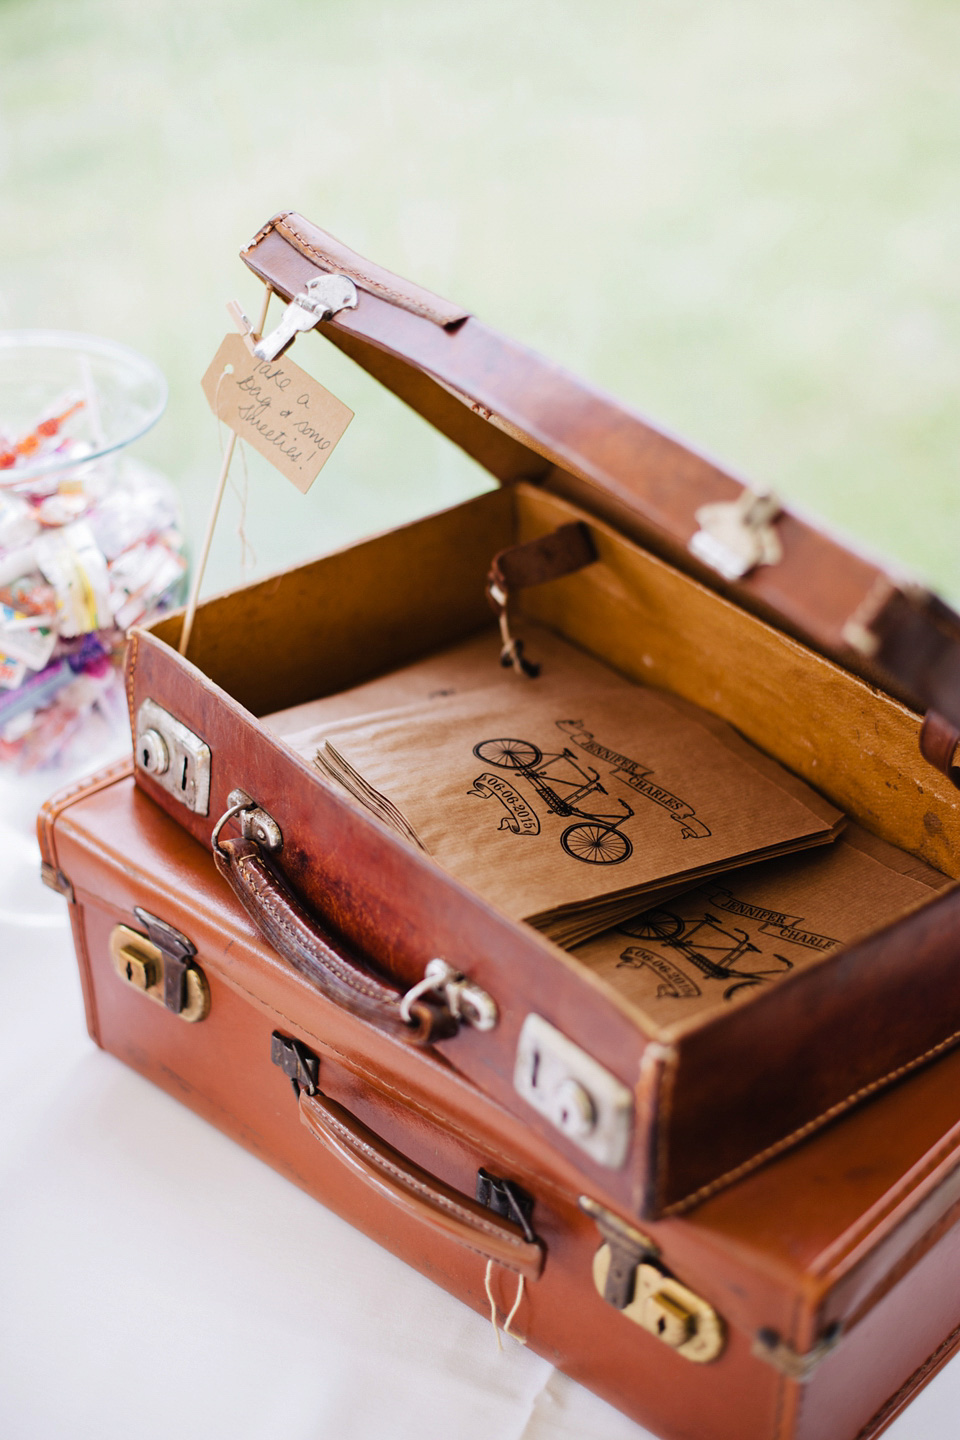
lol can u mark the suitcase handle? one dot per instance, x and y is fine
(313, 951)
(413, 1190)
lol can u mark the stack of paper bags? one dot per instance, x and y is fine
(731, 938)
(571, 800)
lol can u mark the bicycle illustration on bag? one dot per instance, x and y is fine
(715, 952)
(562, 784)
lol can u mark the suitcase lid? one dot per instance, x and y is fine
(522, 417)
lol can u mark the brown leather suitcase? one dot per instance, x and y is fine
(808, 1301)
(701, 587)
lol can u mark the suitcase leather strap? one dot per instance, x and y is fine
(315, 953)
(446, 1211)
(548, 557)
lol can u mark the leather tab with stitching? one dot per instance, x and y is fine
(548, 557)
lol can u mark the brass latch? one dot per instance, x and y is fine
(161, 964)
(628, 1273)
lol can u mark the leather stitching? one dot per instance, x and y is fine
(89, 785)
(130, 662)
(328, 962)
(473, 1143)
(258, 882)
(262, 234)
(377, 1081)
(705, 1191)
(407, 302)
(436, 1198)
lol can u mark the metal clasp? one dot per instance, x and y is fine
(628, 1273)
(255, 823)
(300, 1065)
(736, 535)
(465, 1000)
(161, 965)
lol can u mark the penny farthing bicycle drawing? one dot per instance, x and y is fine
(562, 784)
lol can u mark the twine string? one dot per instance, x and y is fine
(488, 1286)
(201, 565)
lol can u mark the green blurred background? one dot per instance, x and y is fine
(742, 217)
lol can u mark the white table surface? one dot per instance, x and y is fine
(158, 1282)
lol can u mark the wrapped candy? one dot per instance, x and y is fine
(85, 552)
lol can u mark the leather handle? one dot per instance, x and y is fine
(306, 945)
(446, 1211)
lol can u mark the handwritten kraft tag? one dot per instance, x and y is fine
(276, 407)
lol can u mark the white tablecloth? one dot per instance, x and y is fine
(159, 1283)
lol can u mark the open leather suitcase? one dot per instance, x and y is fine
(701, 587)
(809, 1300)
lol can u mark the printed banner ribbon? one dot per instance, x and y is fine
(520, 818)
(772, 922)
(632, 773)
(673, 982)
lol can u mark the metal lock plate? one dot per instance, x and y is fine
(175, 757)
(582, 1099)
(668, 1310)
(141, 964)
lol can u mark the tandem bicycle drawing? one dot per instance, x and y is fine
(563, 785)
(718, 953)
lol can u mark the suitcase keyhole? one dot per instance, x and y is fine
(183, 776)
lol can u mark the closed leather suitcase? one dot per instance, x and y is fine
(701, 587)
(807, 1301)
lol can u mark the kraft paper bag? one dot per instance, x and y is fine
(567, 799)
(724, 941)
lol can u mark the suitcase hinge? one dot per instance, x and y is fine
(322, 297)
(768, 1346)
(55, 879)
(628, 1273)
(737, 535)
(161, 964)
(299, 1064)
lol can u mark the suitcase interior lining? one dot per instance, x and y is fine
(369, 609)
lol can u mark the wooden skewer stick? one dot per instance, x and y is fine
(201, 564)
